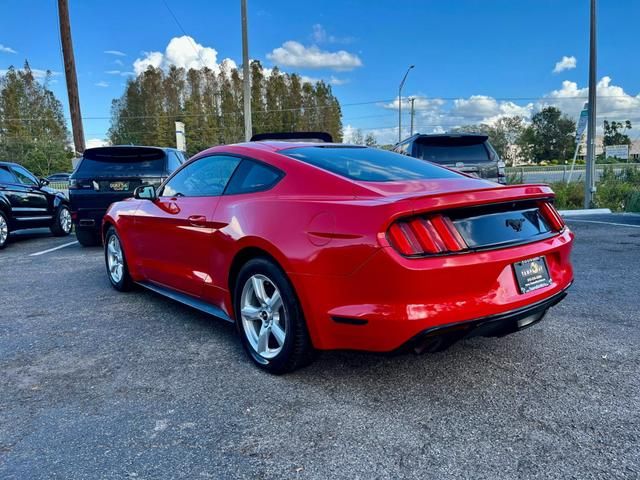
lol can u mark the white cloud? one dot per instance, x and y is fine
(118, 62)
(37, 73)
(337, 81)
(118, 72)
(117, 53)
(294, 54)
(96, 142)
(567, 63)
(183, 52)
(306, 79)
(102, 84)
(5, 49)
(320, 35)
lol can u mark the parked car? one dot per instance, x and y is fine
(59, 177)
(469, 153)
(26, 202)
(107, 174)
(316, 246)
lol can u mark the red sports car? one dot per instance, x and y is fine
(317, 246)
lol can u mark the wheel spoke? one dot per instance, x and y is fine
(275, 302)
(258, 289)
(250, 312)
(263, 340)
(278, 334)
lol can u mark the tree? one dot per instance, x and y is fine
(211, 106)
(614, 133)
(33, 131)
(370, 140)
(357, 138)
(553, 135)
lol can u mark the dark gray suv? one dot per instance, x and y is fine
(466, 152)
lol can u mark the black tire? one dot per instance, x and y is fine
(124, 283)
(297, 350)
(61, 226)
(4, 224)
(87, 237)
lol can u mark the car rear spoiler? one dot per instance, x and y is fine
(319, 137)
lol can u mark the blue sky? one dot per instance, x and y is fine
(474, 60)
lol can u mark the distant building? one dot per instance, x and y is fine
(634, 150)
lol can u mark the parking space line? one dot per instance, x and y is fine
(53, 249)
(603, 223)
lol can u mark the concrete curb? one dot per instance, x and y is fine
(586, 211)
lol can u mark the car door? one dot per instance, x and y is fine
(174, 233)
(29, 203)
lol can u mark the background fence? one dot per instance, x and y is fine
(560, 173)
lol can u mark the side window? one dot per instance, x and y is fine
(6, 176)
(173, 161)
(253, 176)
(24, 176)
(206, 177)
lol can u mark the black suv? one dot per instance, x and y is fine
(109, 174)
(26, 202)
(466, 152)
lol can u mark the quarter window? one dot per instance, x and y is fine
(252, 177)
(5, 176)
(24, 176)
(174, 161)
(206, 177)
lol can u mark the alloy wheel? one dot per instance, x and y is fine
(4, 230)
(264, 317)
(65, 220)
(115, 261)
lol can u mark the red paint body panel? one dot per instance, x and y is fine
(328, 233)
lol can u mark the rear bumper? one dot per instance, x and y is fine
(88, 218)
(494, 326)
(391, 299)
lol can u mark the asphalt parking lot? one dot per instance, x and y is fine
(98, 384)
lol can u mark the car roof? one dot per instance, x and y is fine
(276, 146)
(164, 149)
(12, 164)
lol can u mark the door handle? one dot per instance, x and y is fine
(198, 221)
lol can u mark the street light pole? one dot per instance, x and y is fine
(400, 103)
(246, 73)
(589, 186)
(413, 100)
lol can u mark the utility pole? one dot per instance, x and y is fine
(589, 186)
(412, 113)
(400, 103)
(70, 75)
(246, 73)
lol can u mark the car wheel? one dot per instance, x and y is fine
(4, 230)
(87, 237)
(270, 319)
(62, 222)
(116, 262)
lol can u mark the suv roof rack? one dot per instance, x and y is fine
(319, 137)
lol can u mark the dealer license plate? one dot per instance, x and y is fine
(532, 274)
(119, 186)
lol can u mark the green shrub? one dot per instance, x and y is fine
(569, 196)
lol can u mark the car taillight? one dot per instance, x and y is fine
(425, 235)
(552, 216)
(80, 184)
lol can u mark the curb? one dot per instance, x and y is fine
(586, 211)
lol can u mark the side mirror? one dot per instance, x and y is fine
(145, 192)
(43, 182)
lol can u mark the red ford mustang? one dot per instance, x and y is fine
(309, 247)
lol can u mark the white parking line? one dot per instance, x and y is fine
(604, 223)
(53, 249)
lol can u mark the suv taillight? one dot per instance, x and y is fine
(80, 184)
(425, 235)
(552, 216)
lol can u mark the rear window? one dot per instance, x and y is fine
(368, 164)
(122, 161)
(453, 151)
